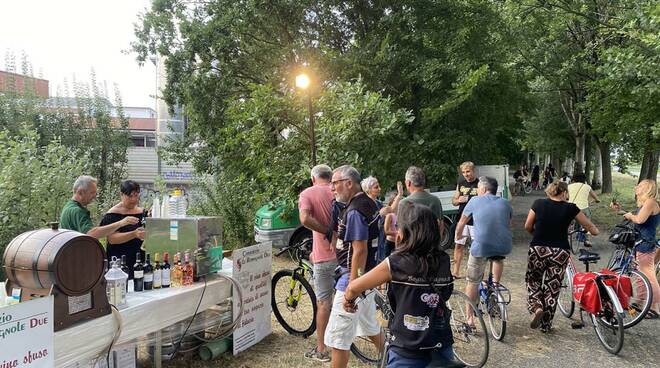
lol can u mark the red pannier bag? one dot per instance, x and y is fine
(621, 284)
(585, 291)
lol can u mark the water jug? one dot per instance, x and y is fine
(116, 284)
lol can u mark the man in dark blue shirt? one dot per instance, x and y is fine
(356, 247)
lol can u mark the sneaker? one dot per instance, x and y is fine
(536, 318)
(316, 355)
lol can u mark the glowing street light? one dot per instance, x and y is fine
(303, 82)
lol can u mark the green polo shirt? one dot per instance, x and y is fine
(75, 217)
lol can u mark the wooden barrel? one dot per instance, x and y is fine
(41, 258)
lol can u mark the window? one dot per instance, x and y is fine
(138, 141)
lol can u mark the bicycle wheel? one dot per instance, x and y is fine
(528, 188)
(576, 238)
(640, 300)
(496, 314)
(565, 300)
(362, 347)
(294, 303)
(470, 342)
(609, 324)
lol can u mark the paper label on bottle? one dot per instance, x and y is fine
(158, 277)
(138, 274)
(148, 277)
(166, 277)
(174, 230)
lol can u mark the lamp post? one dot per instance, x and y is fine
(303, 82)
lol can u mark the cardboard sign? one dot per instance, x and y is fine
(26, 334)
(252, 269)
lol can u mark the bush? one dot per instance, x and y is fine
(34, 183)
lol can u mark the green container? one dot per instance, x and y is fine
(213, 349)
(215, 258)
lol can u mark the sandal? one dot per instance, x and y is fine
(457, 277)
(651, 314)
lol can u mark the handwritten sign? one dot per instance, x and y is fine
(251, 268)
(26, 334)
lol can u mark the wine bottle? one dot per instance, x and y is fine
(158, 272)
(148, 274)
(166, 270)
(177, 271)
(124, 268)
(187, 270)
(138, 274)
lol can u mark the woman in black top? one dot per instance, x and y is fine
(549, 251)
(420, 327)
(127, 240)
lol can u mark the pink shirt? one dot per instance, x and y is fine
(317, 199)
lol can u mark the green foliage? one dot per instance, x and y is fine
(35, 181)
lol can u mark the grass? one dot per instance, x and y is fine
(623, 186)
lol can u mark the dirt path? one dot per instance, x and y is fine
(522, 347)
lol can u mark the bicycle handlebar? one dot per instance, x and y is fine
(583, 230)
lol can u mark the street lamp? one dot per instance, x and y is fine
(303, 82)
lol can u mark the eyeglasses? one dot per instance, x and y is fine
(334, 183)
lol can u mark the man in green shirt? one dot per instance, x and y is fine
(415, 182)
(75, 215)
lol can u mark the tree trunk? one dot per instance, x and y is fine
(649, 169)
(579, 153)
(597, 180)
(604, 147)
(587, 157)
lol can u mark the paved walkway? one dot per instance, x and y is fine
(563, 347)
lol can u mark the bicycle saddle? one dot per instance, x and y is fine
(586, 256)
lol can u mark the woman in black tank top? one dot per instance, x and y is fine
(420, 282)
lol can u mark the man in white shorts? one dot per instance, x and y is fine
(315, 206)
(356, 248)
(465, 190)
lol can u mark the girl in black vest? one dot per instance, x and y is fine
(420, 328)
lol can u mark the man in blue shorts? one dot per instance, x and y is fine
(492, 235)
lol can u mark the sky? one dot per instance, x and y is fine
(63, 38)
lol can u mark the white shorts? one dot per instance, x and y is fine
(343, 326)
(468, 230)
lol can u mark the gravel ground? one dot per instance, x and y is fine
(521, 347)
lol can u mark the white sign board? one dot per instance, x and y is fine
(252, 268)
(26, 334)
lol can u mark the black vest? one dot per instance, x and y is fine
(368, 209)
(421, 318)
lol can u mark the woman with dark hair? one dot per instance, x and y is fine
(548, 221)
(417, 271)
(536, 176)
(127, 240)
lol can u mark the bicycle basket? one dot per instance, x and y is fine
(624, 234)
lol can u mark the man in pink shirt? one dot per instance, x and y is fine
(315, 207)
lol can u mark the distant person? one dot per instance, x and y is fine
(579, 193)
(390, 229)
(466, 189)
(76, 216)
(415, 182)
(127, 240)
(420, 283)
(548, 221)
(565, 178)
(536, 177)
(646, 220)
(492, 236)
(315, 206)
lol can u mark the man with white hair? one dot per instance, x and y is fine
(492, 235)
(315, 206)
(415, 182)
(356, 246)
(75, 215)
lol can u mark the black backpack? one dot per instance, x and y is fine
(624, 233)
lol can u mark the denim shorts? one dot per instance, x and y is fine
(324, 281)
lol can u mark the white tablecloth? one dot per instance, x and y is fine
(145, 313)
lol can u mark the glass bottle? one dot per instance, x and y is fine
(187, 270)
(166, 270)
(138, 274)
(158, 273)
(177, 271)
(148, 274)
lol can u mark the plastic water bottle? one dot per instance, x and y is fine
(165, 206)
(155, 209)
(177, 205)
(116, 281)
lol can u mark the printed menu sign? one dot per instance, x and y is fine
(26, 334)
(251, 268)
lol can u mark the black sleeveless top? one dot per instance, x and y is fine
(421, 320)
(368, 209)
(129, 248)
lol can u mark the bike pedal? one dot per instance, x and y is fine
(577, 325)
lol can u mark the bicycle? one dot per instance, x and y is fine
(576, 236)
(493, 299)
(608, 322)
(292, 293)
(471, 348)
(622, 262)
